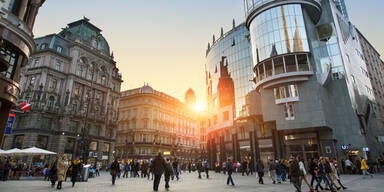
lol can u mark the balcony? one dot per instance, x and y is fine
(282, 69)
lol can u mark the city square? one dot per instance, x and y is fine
(188, 183)
(291, 90)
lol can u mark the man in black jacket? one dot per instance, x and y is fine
(230, 170)
(294, 173)
(158, 166)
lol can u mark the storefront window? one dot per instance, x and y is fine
(18, 142)
(93, 146)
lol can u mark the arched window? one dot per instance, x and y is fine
(95, 43)
(51, 101)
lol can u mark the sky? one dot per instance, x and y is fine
(163, 42)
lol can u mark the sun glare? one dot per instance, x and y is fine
(200, 107)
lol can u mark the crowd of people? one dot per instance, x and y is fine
(324, 173)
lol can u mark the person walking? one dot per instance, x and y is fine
(364, 168)
(53, 170)
(75, 170)
(278, 171)
(175, 165)
(158, 166)
(260, 170)
(313, 170)
(348, 166)
(199, 168)
(303, 173)
(335, 174)
(62, 167)
(272, 171)
(206, 168)
(230, 170)
(115, 169)
(168, 172)
(322, 175)
(126, 170)
(294, 173)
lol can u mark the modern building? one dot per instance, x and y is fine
(73, 85)
(17, 18)
(151, 122)
(375, 68)
(228, 79)
(315, 92)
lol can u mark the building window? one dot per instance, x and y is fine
(36, 62)
(59, 49)
(18, 142)
(106, 147)
(58, 65)
(286, 91)
(42, 142)
(226, 116)
(53, 84)
(93, 146)
(90, 75)
(80, 71)
(14, 6)
(43, 46)
(289, 111)
(32, 81)
(69, 145)
(95, 44)
(11, 57)
(46, 123)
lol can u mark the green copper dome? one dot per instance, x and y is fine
(87, 33)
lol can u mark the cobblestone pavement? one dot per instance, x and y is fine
(188, 183)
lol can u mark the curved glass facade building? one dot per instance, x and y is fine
(311, 78)
(233, 45)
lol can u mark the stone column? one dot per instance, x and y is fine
(4, 112)
(32, 15)
(23, 9)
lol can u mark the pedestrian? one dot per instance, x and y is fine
(322, 175)
(62, 167)
(278, 171)
(313, 170)
(126, 170)
(364, 168)
(53, 170)
(272, 171)
(189, 167)
(284, 168)
(75, 170)
(115, 168)
(303, 173)
(206, 168)
(199, 168)
(168, 172)
(175, 165)
(244, 167)
(158, 166)
(328, 171)
(260, 170)
(294, 173)
(230, 170)
(348, 165)
(335, 174)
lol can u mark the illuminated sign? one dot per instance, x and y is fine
(8, 128)
(166, 153)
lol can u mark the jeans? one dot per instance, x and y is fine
(206, 172)
(296, 183)
(156, 182)
(230, 179)
(113, 179)
(278, 178)
(326, 180)
(176, 172)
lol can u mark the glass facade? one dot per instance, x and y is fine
(277, 31)
(236, 47)
(250, 5)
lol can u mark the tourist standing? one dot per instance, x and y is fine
(158, 166)
(260, 170)
(230, 171)
(75, 170)
(115, 168)
(62, 167)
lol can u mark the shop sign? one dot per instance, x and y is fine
(12, 90)
(8, 128)
(344, 147)
(104, 157)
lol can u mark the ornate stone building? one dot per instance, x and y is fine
(73, 85)
(17, 18)
(151, 121)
